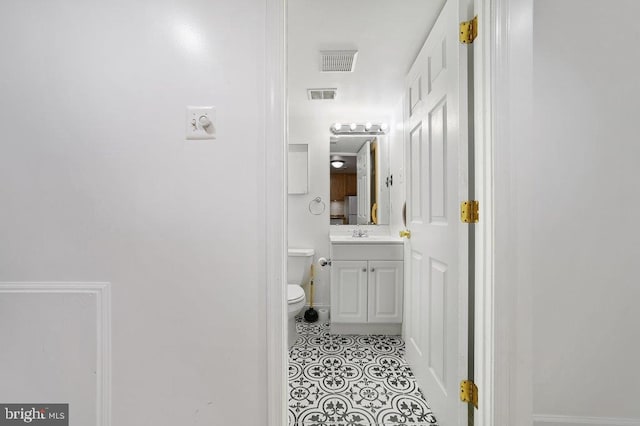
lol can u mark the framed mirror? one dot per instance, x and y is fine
(359, 170)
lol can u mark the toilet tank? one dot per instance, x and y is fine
(298, 265)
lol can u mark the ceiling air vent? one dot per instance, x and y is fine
(320, 94)
(338, 60)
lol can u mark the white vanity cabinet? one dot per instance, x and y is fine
(367, 282)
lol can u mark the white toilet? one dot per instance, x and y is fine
(298, 269)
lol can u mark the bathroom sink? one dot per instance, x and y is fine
(371, 239)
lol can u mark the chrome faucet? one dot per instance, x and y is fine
(359, 233)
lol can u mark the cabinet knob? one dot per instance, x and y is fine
(373, 269)
(364, 269)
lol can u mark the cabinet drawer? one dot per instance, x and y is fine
(367, 251)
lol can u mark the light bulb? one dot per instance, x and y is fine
(384, 127)
(367, 126)
(337, 127)
(336, 164)
(353, 126)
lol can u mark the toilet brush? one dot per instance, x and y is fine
(311, 315)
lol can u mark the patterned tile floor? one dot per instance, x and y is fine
(339, 380)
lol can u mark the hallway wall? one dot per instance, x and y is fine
(586, 205)
(97, 183)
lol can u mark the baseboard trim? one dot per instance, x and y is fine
(547, 419)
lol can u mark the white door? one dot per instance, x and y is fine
(385, 291)
(349, 291)
(437, 258)
(363, 174)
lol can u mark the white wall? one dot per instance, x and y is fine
(305, 229)
(397, 195)
(98, 184)
(586, 208)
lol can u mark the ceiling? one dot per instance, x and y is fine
(346, 148)
(351, 144)
(388, 35)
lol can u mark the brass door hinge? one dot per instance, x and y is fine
(469, 392)
(469, 211)
(469, 30)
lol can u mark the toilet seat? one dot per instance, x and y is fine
(295, 293)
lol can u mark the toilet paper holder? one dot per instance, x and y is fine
(323, 261)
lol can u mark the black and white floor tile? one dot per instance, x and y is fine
(339, 380)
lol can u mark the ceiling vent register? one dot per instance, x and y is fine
(322, 94)
(338, 60)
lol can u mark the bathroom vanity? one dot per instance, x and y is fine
(367, 284)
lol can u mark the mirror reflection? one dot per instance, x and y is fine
(359, 168)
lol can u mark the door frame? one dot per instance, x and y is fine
(502, 100)
(503, 241)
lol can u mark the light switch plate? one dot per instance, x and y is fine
(201, 122)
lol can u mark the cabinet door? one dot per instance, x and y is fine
(385, 290)
(337, 188)
(350, 184)
(349, 291)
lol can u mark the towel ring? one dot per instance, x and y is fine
(317, 206)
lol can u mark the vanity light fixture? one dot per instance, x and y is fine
(336, 164)
(352, 129)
